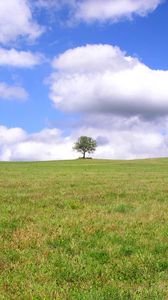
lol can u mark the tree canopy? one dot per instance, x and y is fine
(85, 144)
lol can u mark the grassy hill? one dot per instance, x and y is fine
(93, 229)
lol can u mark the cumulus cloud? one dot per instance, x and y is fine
(8, 92)
(102, 10)
(103, 79)
(16, 21)
(21, 59)
(49, 144)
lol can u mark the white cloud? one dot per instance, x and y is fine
(125, 138)
(114, 10)
(101, 10)
(124, 141)
(8, 92)
(49, 144)
(21, 59)
(16, 21)
(101, 78)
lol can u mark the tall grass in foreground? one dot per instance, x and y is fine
(94, 230)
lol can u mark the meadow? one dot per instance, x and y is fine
(84, 230)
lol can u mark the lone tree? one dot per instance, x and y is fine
(85, 144)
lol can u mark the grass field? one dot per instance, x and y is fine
(84, 229)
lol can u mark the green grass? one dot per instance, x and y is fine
(84, 230)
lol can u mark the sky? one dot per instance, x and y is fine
(83, 67)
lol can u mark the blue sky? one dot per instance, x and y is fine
(65, 88)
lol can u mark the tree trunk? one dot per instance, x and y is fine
(84, 154)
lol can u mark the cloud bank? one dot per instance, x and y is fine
(126, 139)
